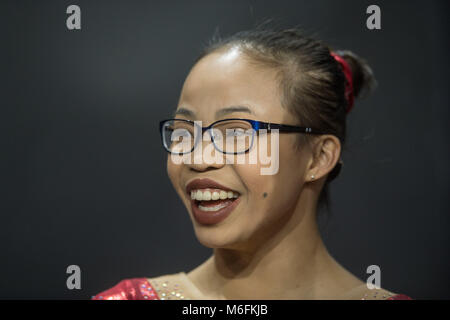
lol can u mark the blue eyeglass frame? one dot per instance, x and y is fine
(256, 125)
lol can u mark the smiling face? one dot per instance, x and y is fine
(214, 87)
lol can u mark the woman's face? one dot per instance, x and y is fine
(265, 202)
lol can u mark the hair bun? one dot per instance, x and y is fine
(362, 75)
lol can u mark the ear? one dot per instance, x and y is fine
(325, 154)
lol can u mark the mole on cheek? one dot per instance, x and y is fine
(264, 194)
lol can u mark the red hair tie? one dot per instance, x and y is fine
(348, 76)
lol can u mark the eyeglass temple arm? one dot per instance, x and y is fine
(288, 128)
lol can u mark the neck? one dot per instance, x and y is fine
(291, 263)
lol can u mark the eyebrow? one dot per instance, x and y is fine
(219, 113)
(183, 112)
(232, 109)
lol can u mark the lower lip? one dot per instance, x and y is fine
(212, 217)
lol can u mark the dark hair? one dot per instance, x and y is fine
(311, 81)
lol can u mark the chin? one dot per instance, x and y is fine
(213, 237)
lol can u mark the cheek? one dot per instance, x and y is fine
(272, 195)
(291, 171)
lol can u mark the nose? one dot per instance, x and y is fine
(205, 156)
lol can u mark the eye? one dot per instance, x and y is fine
(181, 132)
(235, 132)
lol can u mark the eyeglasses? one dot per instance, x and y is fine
(229, 136)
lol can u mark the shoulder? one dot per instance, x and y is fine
(174, 286)
(382, 294)
(129, 289)
(364, 293)
(163, 287)
(399, 297)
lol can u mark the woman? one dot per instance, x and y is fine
(262, 227)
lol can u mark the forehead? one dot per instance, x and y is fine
(226, 78)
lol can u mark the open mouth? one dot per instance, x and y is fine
(210, 201)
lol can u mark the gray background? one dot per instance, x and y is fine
(83, 178)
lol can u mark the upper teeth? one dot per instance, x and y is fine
(205, 195)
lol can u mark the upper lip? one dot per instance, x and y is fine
(205, 183)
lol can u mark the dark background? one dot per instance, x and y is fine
(83, 177)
